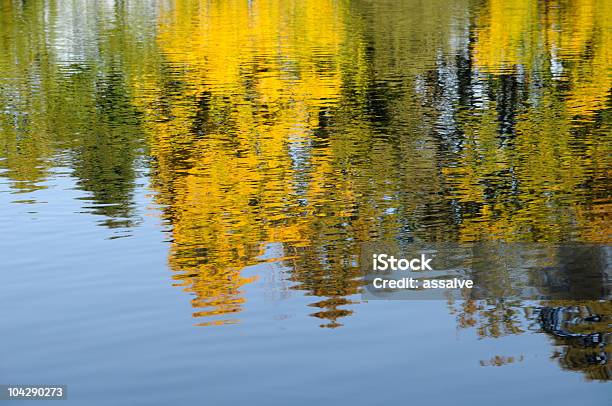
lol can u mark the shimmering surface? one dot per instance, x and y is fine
(184, 187)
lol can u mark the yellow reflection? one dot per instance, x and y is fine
(527, 183)
(256, 79)
(573, 40)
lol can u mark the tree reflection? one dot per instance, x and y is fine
(580, 332)
(66, 101)
(319, 125)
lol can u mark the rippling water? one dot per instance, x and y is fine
(165, 164)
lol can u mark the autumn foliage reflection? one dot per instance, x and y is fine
(291, 123)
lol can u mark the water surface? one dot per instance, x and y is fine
(185, 187)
